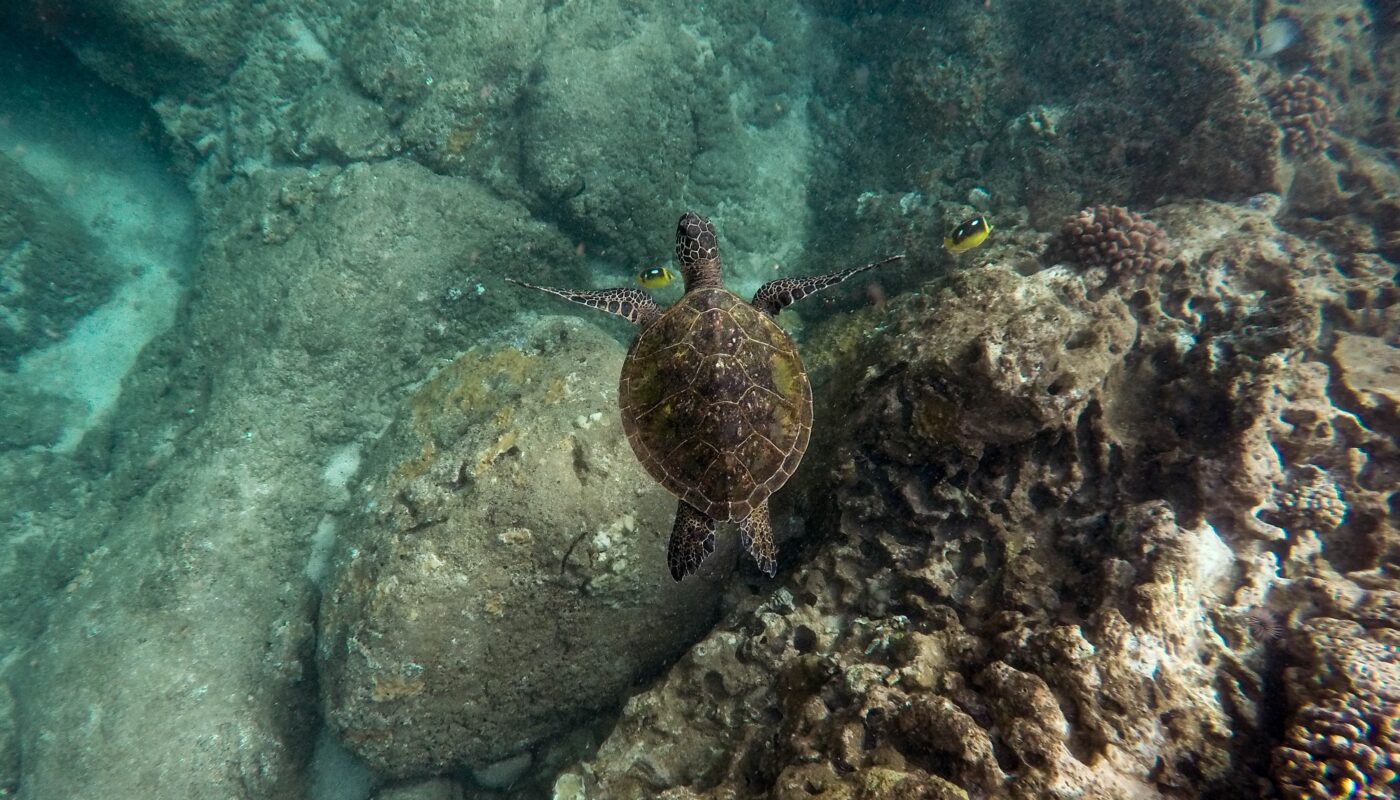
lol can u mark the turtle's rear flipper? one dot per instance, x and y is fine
(633, 305)
(774, 296)
(756, 534)
(692, 539)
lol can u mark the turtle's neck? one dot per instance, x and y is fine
(703, 274)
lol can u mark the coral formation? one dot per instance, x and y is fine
(1303, 110)
(1123, 241)
(1343, 738)
(1311, 500)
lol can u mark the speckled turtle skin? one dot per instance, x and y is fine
(714, 398)
(716, 403)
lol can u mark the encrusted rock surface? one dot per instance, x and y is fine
(506, 576)
(9, 744)
(178, 607)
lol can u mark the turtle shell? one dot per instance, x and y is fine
(716, 403)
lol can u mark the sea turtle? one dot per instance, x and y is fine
(714, 398)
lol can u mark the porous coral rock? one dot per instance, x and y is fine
(1368, 368)
(1023, 353)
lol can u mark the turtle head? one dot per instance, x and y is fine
(697, 252)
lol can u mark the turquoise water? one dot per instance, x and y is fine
(1086, 487)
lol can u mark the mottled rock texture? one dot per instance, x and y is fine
(506, 577)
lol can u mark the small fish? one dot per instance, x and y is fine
(968, 235)
(655, 277)
(1273, 38)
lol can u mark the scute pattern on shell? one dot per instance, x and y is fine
(716, 403)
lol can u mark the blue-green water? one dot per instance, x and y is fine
(1091, 493)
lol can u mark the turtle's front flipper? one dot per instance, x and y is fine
(633, 305)
(774, 296)
(692, 539)
(756, 535)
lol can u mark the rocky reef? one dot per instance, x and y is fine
(1055, 516)
(1105, 507)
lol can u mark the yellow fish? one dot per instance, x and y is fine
(968, 235)
(655, 277)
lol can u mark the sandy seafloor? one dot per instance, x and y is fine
(299, 498)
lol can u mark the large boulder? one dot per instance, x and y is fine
(504, 577)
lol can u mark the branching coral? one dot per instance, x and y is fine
(1116, 238)
(1303, 109)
